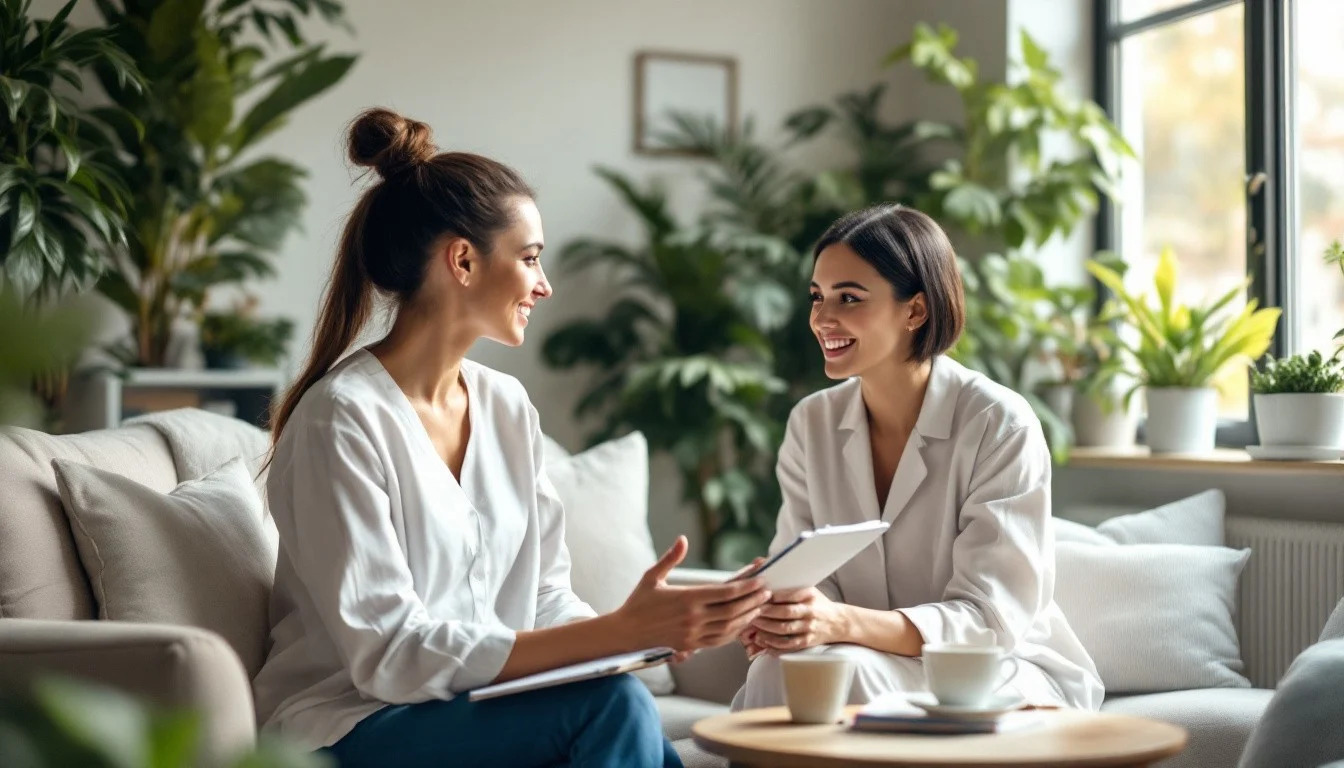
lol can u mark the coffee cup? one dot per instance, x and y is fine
(816, 686)
(962, 675)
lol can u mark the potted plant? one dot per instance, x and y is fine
(205, 209)
(1183, 351)
(237, 339)
(1298, 402)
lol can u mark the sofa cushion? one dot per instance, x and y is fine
(1301, 724)
(1154, 617)
(1218, 720)
(40, 572)
(692, 756)
(605, 492)
(197, 556)
(1196, 520)
(679, 713)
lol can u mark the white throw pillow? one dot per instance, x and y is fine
(196, 556)
(1196, 520)
(1154, 617)
(605, 492)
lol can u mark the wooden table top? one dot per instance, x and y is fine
(768, 737)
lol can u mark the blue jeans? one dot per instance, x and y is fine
(611, 721)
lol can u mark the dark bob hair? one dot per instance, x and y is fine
(912, 253)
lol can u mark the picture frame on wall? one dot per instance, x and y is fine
(666, 82)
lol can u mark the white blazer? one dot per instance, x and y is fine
(970, 551)
(397, 583)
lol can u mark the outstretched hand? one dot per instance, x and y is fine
(692, 617)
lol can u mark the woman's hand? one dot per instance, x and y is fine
(796, 620)
(687, 618)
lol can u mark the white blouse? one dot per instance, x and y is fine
(395, 583)
(969, 556)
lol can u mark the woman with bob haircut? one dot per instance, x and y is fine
(957, 464)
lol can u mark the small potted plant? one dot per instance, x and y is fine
(1183, 351)
(1299, 400)
(237, 339)
(1081, 348)
(1298, 403)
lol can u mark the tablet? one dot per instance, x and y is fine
(573, 673)
(814, 555)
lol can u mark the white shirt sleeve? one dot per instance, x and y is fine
(1002, 559)
(795, 513)
(346, 555)
(556, 601)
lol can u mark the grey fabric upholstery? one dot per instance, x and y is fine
(713, 674)
(1303, 726)
(679, 713)
(1219, 720)
(693, 756)
(176, 667)
(40, 573)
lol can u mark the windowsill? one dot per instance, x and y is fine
(1220, 460)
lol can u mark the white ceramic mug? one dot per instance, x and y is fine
(816, 686)
(962, 675)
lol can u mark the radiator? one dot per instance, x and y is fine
(1292, 581)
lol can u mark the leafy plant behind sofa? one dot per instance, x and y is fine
(62, 201)
(764, 215)
(204, 211)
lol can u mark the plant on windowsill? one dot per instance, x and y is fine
(1299, 400)
(1182, 352)
(1079, 342)
(237, 339)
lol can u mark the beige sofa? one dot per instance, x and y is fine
(47, 612)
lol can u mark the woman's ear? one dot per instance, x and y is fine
(461, 260)
(918, 312)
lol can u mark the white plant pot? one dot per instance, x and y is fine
(1299, 418)
(1181, 419)
(1107, 424)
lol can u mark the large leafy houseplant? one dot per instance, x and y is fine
(205, 210)
(679, 359)
(62, 202)
(764, 215)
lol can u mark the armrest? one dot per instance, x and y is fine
(713, 674)
(173, 666)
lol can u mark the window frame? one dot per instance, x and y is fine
(1270, 207)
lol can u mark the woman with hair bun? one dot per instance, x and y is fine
(422, 547)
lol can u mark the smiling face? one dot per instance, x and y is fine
(856, 316)
(511, 280)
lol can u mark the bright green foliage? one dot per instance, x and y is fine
(1183, 346)
(62, 201)
(205, 212)
(1310, 373)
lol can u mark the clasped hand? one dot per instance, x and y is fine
(793, 621)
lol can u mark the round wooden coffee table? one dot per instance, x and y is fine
(767, 737)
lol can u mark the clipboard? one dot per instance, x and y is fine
(816, 554)
(587, 670)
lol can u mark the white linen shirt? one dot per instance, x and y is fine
(396, 584)
(970, 555)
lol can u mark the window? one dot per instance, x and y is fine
(1237, 112)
